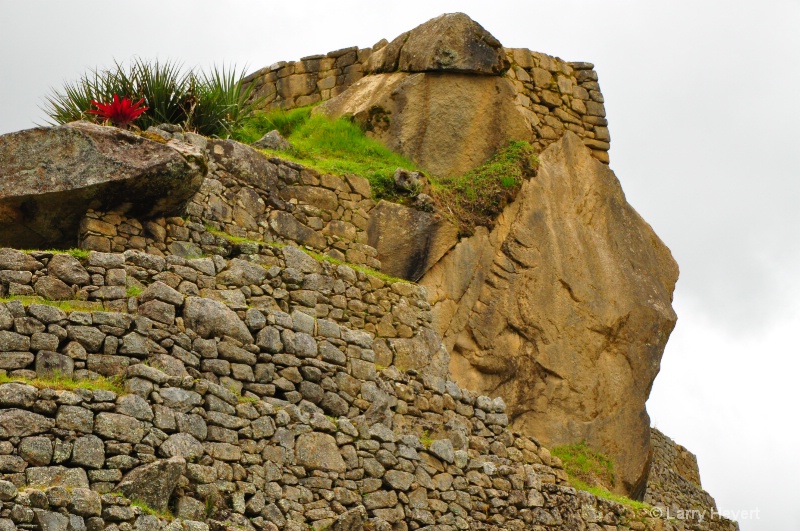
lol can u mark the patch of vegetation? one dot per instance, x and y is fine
(477, 197)
(67, 306)
(133, 291)
(80, 254)
(163, 515)
(233, 239)
(211, 103)
(261, 123)
(335, 146)
(591, 471)
(64, 383)
(426, 439)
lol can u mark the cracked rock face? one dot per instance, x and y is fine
(526, 313)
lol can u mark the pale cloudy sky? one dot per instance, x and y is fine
(702, 100)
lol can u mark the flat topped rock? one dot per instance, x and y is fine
(49, 177)
(451, 42)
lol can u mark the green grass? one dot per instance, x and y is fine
(63, 383)
(477, 197)
(164, 515)
(67, 306)
(335, 146)
(593, 472)
(80, 254)
(133, 291)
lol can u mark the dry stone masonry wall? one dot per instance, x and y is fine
(674, 482)
(253, 417)
(247, 196)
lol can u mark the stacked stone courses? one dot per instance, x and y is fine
(248, 196)
(264, 388)
(557, 95)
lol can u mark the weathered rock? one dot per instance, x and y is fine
(409, 241)
(452, 42)
(273, 140)
(68, 269)
(20, 423)
(352, 520)
(118, 427)
(49, 364)
(182, 445)
(213, 319)
(242, 273)
(446, 123)
(50, 476)
(153, 483)
(52, 175)
(13, 259)
(52, 288)
(318, 451)
(15, 394)
(526, 311)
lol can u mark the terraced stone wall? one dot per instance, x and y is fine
(248, 196)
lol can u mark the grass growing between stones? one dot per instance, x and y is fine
(64, 383)
(592, 472)
(163, 515)
(477, 197)
(67, 306)
(335, 146)
(80, 254)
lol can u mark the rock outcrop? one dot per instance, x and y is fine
(51, 176)
(452, 42)
(563, 310)
(409, 241)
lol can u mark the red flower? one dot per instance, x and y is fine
(120, 113)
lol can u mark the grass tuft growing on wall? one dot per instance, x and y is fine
(335, 146)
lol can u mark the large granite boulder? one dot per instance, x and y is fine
(563, 309)
(408, 241)
(447, 123)
(452, 42)
(49, 177)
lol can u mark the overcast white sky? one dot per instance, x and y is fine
(702, 100)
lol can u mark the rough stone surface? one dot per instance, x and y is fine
(319, 451)
(47, 171)
(451, 42)
(273, 140)
(409, 241)
(210, 318)
(526, 313)
(153, 483)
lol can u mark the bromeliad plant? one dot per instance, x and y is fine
(119, 112)
(212, 104)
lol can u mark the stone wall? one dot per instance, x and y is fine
(248, 196)
(557, 95)
(245, 414)
(674, 481)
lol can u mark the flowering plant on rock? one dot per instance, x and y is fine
(119, 112)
